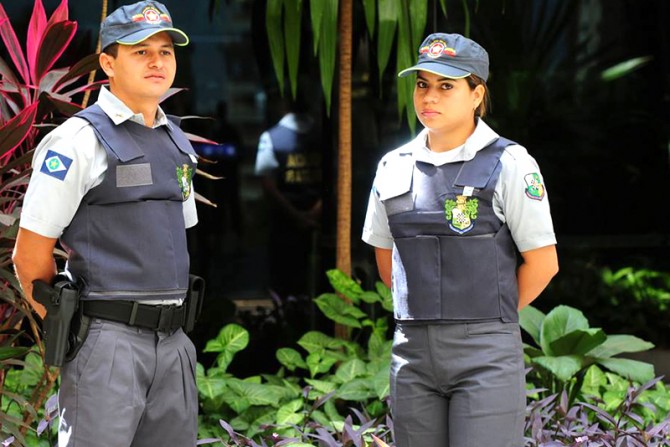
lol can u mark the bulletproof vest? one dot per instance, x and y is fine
(453, 259)
(127, 240)
(299, 158)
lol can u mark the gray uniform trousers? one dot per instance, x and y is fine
(129, 387)
(458, 385)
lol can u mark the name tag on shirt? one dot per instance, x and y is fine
(133, 175)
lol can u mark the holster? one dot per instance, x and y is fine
(194, 300)
(61, 302)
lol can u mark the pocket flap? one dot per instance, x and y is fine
(395, 177)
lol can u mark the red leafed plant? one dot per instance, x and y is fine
(32, 94)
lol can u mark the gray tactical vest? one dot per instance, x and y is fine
(299, 157)
(127, 240)
(453, 259)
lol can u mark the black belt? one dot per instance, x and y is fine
(157, 318)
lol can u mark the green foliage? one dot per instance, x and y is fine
(22, 377)
(626, 300)
(566, 347)
(644, 285)
(325, 372)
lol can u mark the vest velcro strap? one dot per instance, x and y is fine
(132, 313)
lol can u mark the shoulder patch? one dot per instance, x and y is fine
(56, 165)
(534, 186)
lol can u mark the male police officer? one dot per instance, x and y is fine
(114, 185)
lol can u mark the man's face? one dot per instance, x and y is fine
(144, 71)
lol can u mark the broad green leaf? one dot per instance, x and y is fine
(232, 337)
(322, 386)
(290, 358)
(560, 321)
(349, 370)
(578, 342)
(624, 68)
(328, 49)
(617, 344)
(370, 297)
(376, 346)
(273, 28)
(240, 424)
(632, 369)
(381, 383)
(211, 387)
(339, 311)
(315, 341)
(316, 11)
(288, 413)
(292, 20)
(613, 399)
(370, 10)
(563, 367)
(389, 10)
(418, 12)
(594, 379)
(318, 363)
(530, 320)
(385, 293)
(344, 285)
(256, 393)
(357, 390)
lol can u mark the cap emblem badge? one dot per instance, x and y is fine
(436, 49)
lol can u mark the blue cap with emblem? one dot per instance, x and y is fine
(452, 56)
(131, 24)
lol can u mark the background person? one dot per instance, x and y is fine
(289, 162)
(114, 184)
(447, 213)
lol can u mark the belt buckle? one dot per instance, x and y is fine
(165, 317)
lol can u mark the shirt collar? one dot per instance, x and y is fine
(118, 112)
(480, 138)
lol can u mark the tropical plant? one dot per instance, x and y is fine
(20, 385)
(554, 422)
(311, 386)
(30, 98)
(566, 347)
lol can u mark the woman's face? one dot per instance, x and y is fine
(444, 104)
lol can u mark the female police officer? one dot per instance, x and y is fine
(447, 213)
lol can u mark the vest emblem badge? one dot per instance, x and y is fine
(534, 186)
(461, 213)
(184, 177)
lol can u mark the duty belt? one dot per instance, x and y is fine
(157, 318)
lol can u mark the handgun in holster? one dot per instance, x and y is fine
(64, 327)
(194, 300)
